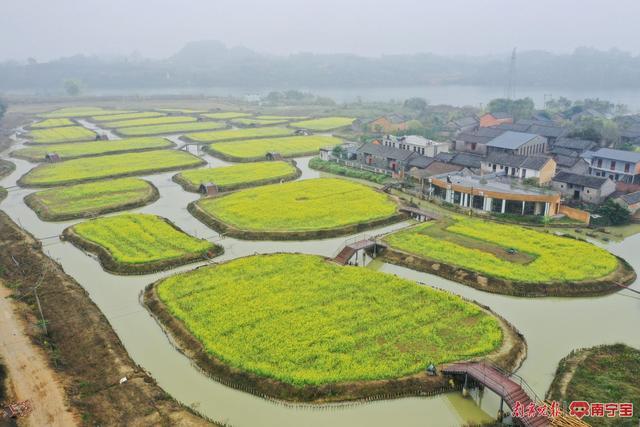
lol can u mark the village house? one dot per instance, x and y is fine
(391, 123)
(630, 201)
(383, 159)
(551, 130)
(521, 143)
(493, 193)
(586, 188)
(470, 161)
(521, 167)
(464, 124)
(475, 141)
(567, 152)
(495, 119)
(415, 143)
(617, 165)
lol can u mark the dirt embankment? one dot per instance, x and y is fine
(81, 347)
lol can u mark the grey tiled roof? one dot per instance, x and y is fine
(574, 144)
(386, 152)
(584, 180)
(466, 160)
(620, 155)
(480, 136)
(421, 162)
(631, 198)
(511, 140)
(517, 161)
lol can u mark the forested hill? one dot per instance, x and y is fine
(208, 63)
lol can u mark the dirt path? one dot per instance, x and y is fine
(29, 373)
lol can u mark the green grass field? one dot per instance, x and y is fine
(62, 134)
(257, 122)
(238, 134)
(302, 320)
(116, 165)
(150, 121)
(3, 194)
(308, 205)
(140, 239)
(230, 177)
(483, 246)
(608, 374)
(323, 124)
(81, 112)
(225, 115)
(256, 149)
(276, 117)
(94, 148)
(169, 129)
(127, 116)
(52, 123)
(6, 168)
(91, 199)
(180, 110)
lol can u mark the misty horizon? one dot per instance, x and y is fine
(158, 29)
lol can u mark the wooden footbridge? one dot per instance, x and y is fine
(355, 252)
(513, 391)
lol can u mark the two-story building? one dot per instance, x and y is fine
(475, 141)
(417, 144)
(617, 165)
(541, 168)
(389, 124)
(525, 144)
(384, 159)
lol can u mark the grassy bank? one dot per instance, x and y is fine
(238, 134)
(149, 121)
(607, 373)
(91, 199)
(169, 129)
(238, 176)
(324, 124)
(301, 206)
(116, 165)
(505, 251)
(336, 169)
(127, 116)
(94, 148)
(6, 168)
(139, 243)
(301, 328)
(256, 149)
(62, 134)
(52, 123)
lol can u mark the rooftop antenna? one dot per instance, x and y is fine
(511, 84)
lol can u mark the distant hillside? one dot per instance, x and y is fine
(211, 63)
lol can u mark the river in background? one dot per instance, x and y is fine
(456, 95)
(551, 326)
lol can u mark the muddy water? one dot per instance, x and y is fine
(552, 326)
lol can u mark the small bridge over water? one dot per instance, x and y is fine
(355, 253)
(498, 381)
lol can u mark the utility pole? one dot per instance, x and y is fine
(511, 82)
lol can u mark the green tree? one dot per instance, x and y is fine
(519, 108)
(418, 104)
(72, 87)
(3, 108)
(597, 129)
(612, 214)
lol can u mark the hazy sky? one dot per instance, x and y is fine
(47, 29)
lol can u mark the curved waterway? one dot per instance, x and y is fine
(552, 327)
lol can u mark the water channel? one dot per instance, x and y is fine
(552, 326)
